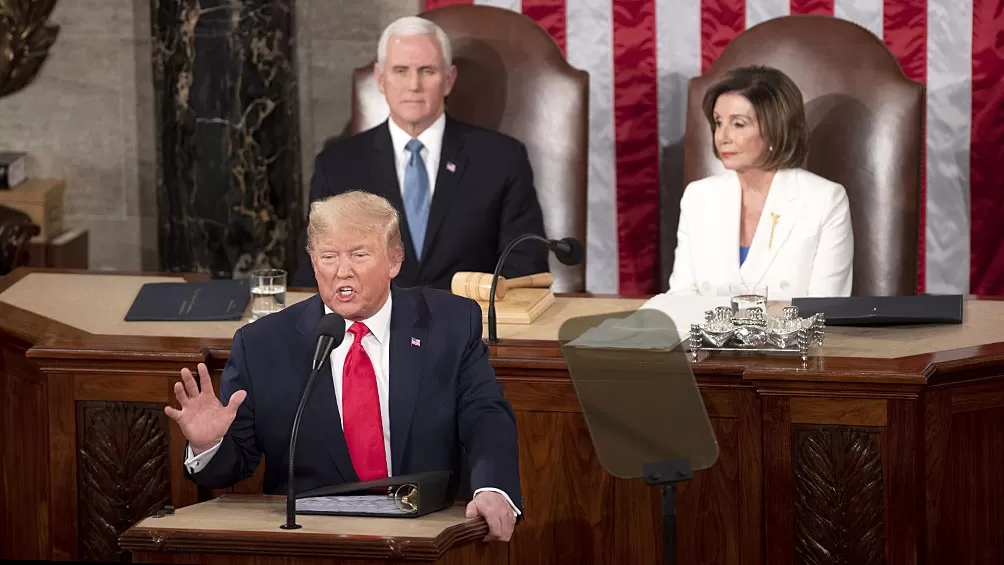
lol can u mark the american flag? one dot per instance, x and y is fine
(640, 53)
(415, 342)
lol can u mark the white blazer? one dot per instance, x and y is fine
(811, 252)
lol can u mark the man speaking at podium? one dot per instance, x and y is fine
(408, 387)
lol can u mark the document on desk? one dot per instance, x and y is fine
(685, 310)
(376, 504)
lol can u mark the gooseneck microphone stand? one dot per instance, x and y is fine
(492, 330)
(330, 334)
(290, 496)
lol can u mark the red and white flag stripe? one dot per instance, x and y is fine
(641, 53)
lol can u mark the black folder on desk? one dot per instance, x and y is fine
(884, 310)
(402, 496)
(203, 301)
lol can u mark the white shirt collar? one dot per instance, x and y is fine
(431, 138)
(379, 323)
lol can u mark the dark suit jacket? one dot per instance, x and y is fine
(443, 396)
(476, 210)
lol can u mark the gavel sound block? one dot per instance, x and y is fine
(517, 301)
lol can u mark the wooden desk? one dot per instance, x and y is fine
(885, 450)
(245, 529)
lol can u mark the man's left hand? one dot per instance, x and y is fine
(495, 509)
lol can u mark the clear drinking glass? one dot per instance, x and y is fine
(268, 292)
(747, 295)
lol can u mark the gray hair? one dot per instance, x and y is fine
(411, 26)
(357, 210)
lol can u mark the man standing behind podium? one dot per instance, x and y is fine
(408, 387)
(463, 192)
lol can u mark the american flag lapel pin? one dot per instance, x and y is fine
(451, 167)
(415, 342)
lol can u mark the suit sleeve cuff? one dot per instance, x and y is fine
(509, 500)
(196, 463)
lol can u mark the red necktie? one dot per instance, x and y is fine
(361, 422)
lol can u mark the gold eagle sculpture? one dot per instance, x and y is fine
(25, 40)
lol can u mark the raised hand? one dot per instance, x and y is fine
(202, 418)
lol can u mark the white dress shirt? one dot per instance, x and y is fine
(432, 150)
(377, 346)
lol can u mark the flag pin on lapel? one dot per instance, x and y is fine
(415, 342)
(451, 167)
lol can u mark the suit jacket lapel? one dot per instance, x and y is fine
(383, 171)
(408, 330)
(452, 164)
(780, 212)
(321, 410)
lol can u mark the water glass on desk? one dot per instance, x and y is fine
(747, 295)
(268, 292)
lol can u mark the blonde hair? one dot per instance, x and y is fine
(356, 210)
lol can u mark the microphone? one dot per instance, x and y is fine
(330, 334)
(567, 250)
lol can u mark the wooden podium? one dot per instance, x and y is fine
(885, 448)
(245, 529)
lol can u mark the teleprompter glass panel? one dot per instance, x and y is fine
(637, 391)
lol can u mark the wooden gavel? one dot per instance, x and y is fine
(478, 286)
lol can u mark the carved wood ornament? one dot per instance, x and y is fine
(25, 40)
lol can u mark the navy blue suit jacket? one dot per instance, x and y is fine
(443, 397)
(481, 203)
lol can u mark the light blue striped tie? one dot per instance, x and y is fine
(416, 195)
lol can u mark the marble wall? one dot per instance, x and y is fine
(228, 178)
(88, 119)
(333, 38)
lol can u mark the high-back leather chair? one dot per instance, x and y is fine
(866, 133)
(513, 78)
(16, 229)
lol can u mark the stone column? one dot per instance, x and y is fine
(228, 163)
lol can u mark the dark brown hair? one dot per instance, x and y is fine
(779, 112)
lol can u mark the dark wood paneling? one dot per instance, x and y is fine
(973, 490)
(721, 402)
(937, 421)
(708, 506)
(528, 395)
(902, 445)
(568, 497)
(846, 411)
(123, 472)
(779, 519)
(62, 426)
(751, 483)
(978, 396)
(24, 449)
(577, 512)
(838, 493)
(636, 518)
(110, 387)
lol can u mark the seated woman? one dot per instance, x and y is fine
(765, 221)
